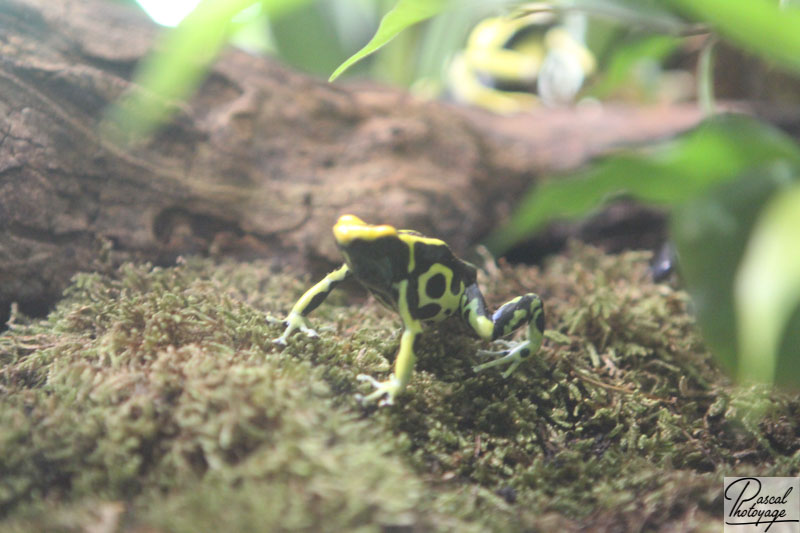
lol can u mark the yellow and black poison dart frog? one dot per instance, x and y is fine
(421, 279)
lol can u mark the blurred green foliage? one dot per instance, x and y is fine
(740, 266)
(759, 26)
(668, 173)
(768, 288)
(732, 184)
(729, 169)
(739, 288)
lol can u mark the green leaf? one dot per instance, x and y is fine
(705, 77)
(767, 294)
(652, 16)
(760, 26)
(711, 236)
(404, 14)
(669, 173)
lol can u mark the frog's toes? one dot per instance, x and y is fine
(512, 357)
(306, 331)
(389, 388)
(280, 341)
(507, 345)
(491, 353)
(294, 322)
(273, 321)
(310, 332)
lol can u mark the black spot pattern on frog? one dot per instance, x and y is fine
(540, 320)
(507, 320)
(315, 302)
(417, 344)
(436, 286)
(455, 283)
(426, 255)
(473, 293)
(319, 297)
(427, 311)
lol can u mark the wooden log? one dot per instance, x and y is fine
(259, 162)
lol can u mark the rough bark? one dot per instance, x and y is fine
(259, 162)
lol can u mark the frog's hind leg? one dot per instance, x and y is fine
(527, 309)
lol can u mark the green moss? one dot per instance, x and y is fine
(154, 398)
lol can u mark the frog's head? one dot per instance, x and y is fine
(370, 251)
(350, 228)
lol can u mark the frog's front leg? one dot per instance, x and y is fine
(526, 309)
(296, 319)
(403, 367)
(403, 364)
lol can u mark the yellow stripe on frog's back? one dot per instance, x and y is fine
(410, 237)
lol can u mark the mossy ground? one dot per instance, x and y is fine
(153, 400)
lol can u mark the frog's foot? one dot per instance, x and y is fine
(389, 388)
(294, 322)
(513, 355)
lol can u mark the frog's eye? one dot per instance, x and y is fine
(350, 227)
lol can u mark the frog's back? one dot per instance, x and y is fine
(417, 276)
(436, 277)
